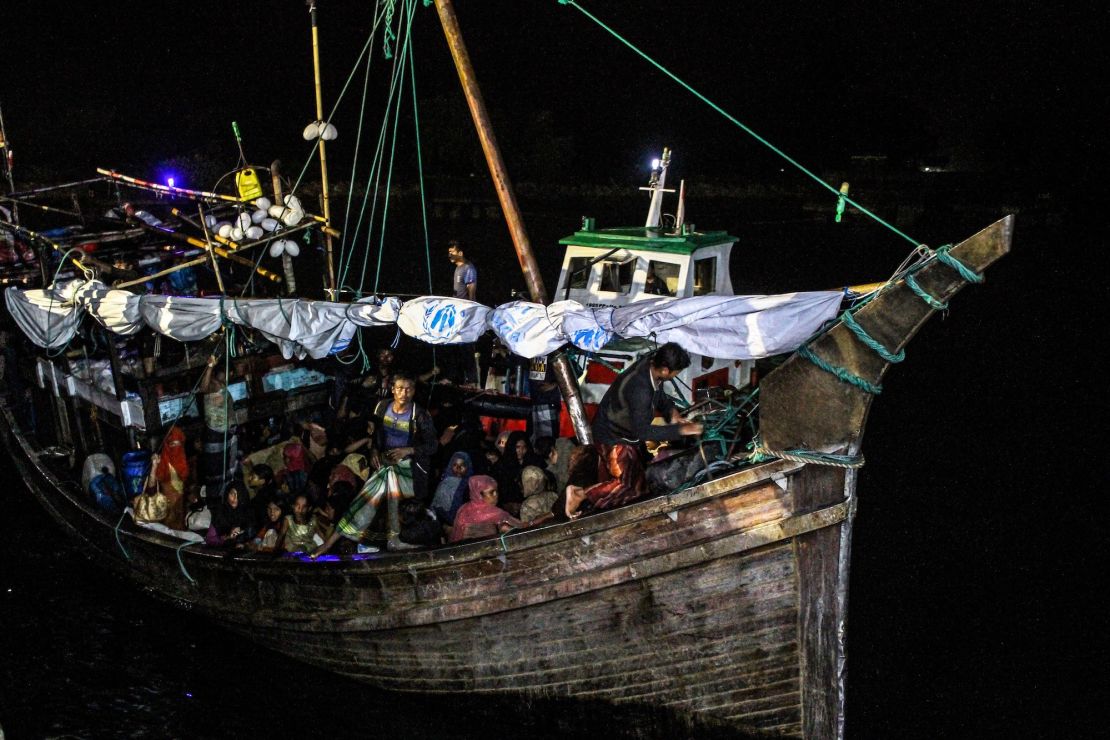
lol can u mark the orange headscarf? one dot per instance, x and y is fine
(173, 456)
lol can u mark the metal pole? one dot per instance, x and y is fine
(565, 377)
(323, 150)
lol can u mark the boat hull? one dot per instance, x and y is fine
(724, 603)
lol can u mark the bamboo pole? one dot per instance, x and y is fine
(220, 251)
(323, 149)
(211, 254)
(564, 374)
(163, 273)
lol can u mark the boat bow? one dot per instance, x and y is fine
(806, 407)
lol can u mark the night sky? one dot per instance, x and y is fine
(133, 85)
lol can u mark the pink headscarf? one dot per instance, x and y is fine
(294, 456)
(477, 518)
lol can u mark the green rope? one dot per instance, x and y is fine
(181, 563)
(835, 191)
(392, 159)
(420, 180)
(762, 454)
(354, 169)
(126, 554)
(420, 173)
(861, 333)
(920, 292)
(965, 272)
(388, 37)
(377, 168)
(840, 372)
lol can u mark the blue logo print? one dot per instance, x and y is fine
(439, 319)
(590, 339)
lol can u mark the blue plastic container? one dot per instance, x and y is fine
(135, 468)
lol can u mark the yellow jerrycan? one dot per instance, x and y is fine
(246, 181)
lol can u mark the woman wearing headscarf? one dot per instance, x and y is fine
(481, 516)
(538, 498)
(517, 456)
(353, 468)
(294, 475)
(172, 471)
(232, 521)
(452, 491)
(625, 484)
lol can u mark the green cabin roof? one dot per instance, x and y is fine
(650, 240)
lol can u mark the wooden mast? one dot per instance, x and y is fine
(568, 382)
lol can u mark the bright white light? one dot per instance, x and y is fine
(655, 164)
(169, 181)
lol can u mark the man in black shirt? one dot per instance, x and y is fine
(623, 424)
(632, 401)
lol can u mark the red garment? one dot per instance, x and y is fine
(476, 518)
(342, 472)
(295, 457)
(171, 473)
(627, 478)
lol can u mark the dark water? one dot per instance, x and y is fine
(972, 609)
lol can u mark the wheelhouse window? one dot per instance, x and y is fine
(578, 273)
(661, 279)
(705, 275)
(616, 277)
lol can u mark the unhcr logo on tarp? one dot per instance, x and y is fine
(440, 319)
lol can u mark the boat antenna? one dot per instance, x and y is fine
(656, 187)
(333, 295)
(560, 363)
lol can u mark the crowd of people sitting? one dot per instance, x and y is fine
(383, 472)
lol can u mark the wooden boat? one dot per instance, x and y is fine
(724, 602)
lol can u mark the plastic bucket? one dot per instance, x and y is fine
(135, 468)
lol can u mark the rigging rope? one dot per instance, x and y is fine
(732, 119)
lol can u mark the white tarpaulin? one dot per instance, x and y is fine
(43, 315)
(438, 320)
(734, 327)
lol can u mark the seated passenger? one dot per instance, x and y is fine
(301, 533)
(261, 479)
(353, 469)
(625, 484)
(232, 524)
(419, 527)
(481, 517)
(268, 538)
(172, 471)
(294, 475)
(538, 497)
(452, 491)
